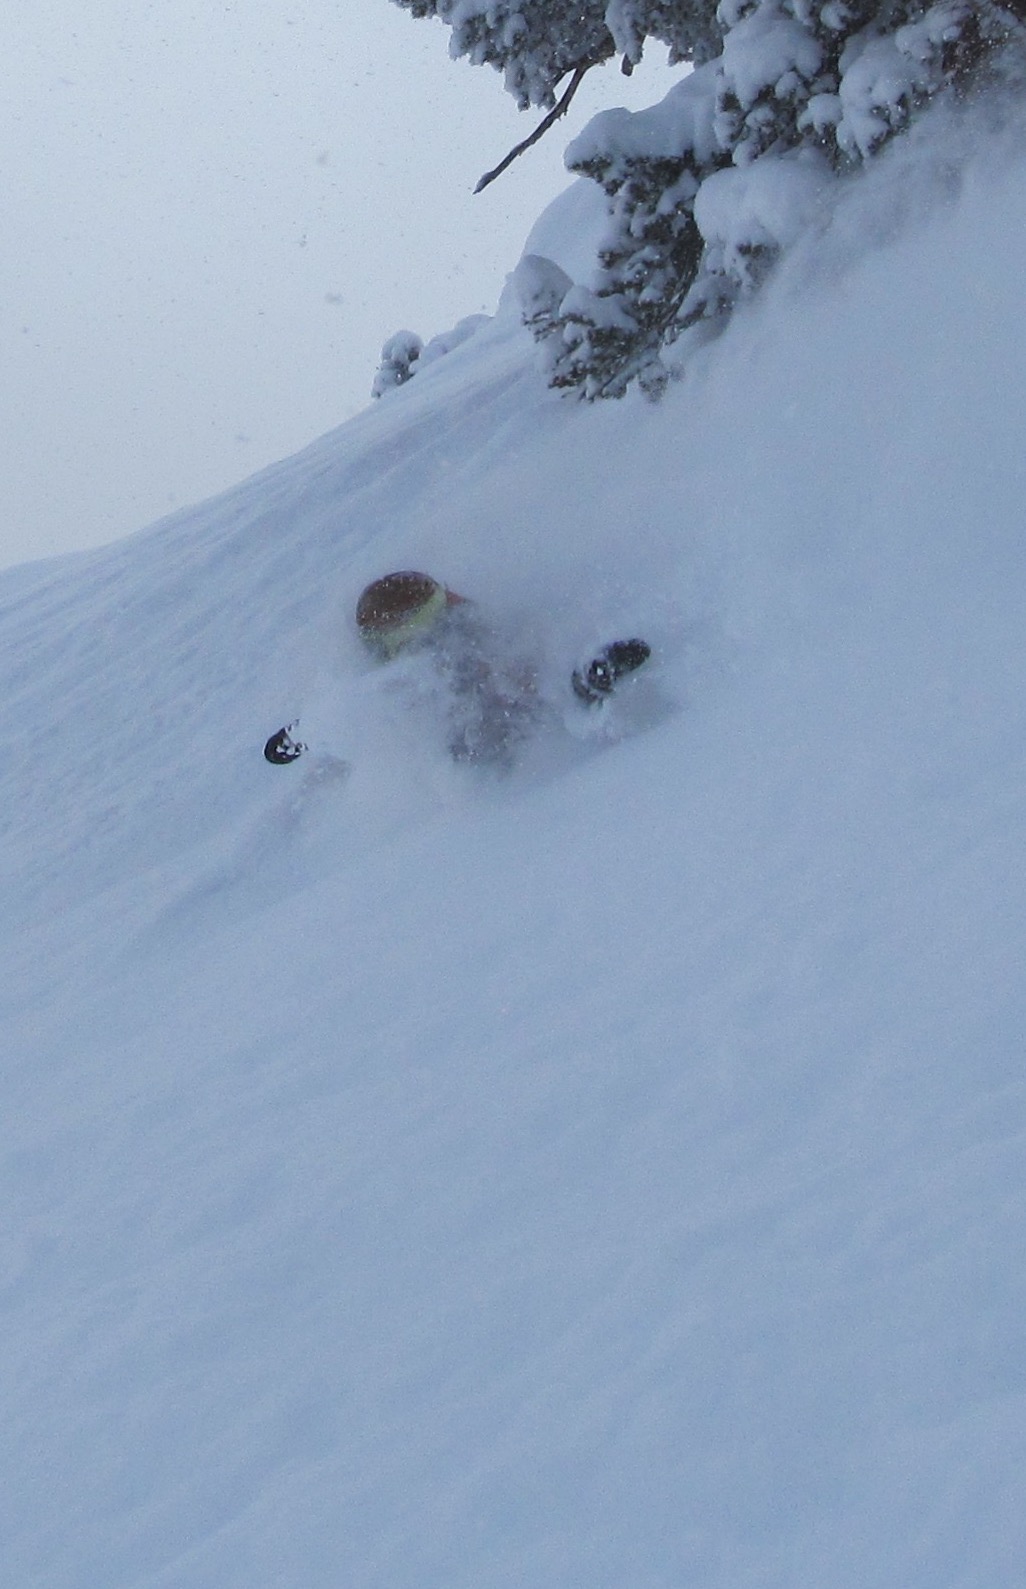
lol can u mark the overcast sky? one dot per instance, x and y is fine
(214, 216)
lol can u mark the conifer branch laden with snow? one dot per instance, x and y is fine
(536, 44)
(706, 189)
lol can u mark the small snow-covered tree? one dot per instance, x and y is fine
(404, 355)
(705, 189)
(399, 358)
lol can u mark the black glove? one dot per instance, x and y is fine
(281, 748)
(595, 682)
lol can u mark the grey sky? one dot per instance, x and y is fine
(214, 217)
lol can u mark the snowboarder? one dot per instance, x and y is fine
(493, 702)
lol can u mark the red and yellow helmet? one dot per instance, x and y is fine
(401, 608)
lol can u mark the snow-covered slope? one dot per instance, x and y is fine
(611, 1175)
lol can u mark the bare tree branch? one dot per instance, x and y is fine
(560, 108)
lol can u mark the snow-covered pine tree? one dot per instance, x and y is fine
(705, 189)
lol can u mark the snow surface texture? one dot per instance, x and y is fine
(611, 1175)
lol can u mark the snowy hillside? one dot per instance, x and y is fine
(607, 1176)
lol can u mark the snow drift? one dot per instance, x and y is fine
(608, 1175)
